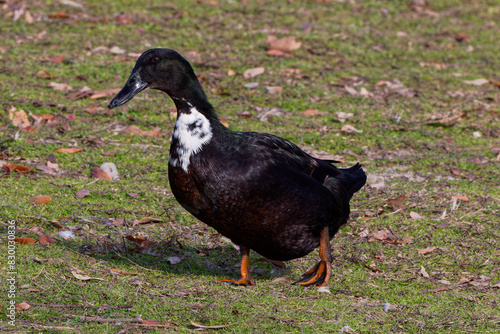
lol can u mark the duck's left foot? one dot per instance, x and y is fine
(320, 274)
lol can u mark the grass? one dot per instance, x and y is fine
(422, 142)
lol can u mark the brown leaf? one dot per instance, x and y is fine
(427, 250)
(134, 195)
(98, 173)
(69, 150)
(83, 276)
(349, 129)
(312, 112)
(60, 15)
(46, 240)
(55, 59)
(44, 74)
(20, 169)
(19, 118)
(397, 202)
(383, 235)
(40, 199)
(97, 94)
(147, 220)
(274, 90)
(415, 215)
(62, 87)
(82, 193)
(93, 109)
(25, 240)
(207, 327)
(253, 72)
(461, 37)
(460, 197)
(22, 306)
(108, 154)
(280, 279)
(285, 44)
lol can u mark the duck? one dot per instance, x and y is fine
(259, 190)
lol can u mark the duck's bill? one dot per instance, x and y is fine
(133, 87)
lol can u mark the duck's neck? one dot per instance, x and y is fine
(195, 128)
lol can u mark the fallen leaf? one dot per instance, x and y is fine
(20, 169)
(46, 240)
(110, 169)
(397, 202)
(147, 220)
(83, 277)
(19, 118)
(69, 150)
(108, 154)
(231, 73)
(25, 240)
(312, 112)
(22, 306)
(461, 37)
(343, 116)
(134, 195)
(285, 44)
(44, 74)
(427, 250)
(460, 197)
(82, 193)
(415, 215)
(224, 122)
(62, 87)
(251, 85)
(93, 109)
(40, 199)
(383, 235)
(207, 327)
(97, 94)
(66, 235)
(253, 72)
(280, 279)
(98, 173)
(349, 129)
(32, 290)
(435, 64)
(55, 59)
(264, 115)
(275, 90)
(477, 82)
(173, 259)
(117, 50)
(423, 272)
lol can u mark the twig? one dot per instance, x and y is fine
(99, 319)
(84, 306)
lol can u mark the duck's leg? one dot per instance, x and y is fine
(246, 278)
(320, 274)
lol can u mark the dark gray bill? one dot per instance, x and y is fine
(133, 87)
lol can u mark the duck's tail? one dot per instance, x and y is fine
(353, 179)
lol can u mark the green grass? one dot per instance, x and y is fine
(402, 147)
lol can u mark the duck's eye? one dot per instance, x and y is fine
(156, 59)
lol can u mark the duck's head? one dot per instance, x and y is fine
(162, 69)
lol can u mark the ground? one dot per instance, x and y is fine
(410, 89)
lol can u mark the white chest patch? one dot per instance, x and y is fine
(191, 132)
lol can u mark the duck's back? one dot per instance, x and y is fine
(264, 192)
